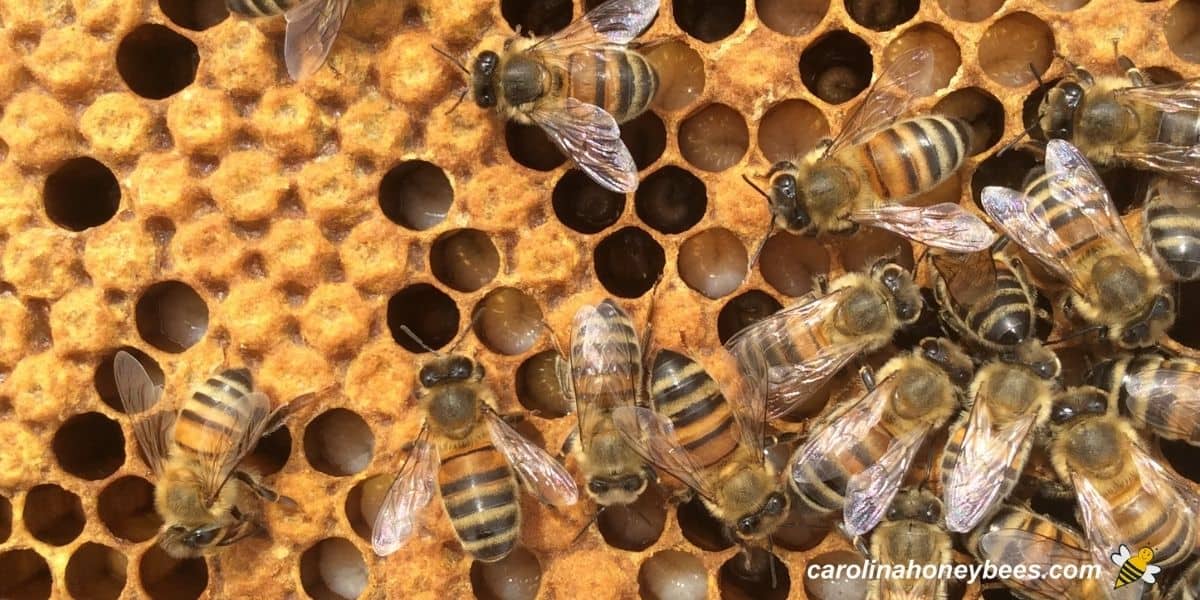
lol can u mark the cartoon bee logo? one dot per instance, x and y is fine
(1133, 567)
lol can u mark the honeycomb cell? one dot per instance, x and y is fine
(646, 138)
(171, 316)
(166, 578)
(118, 126)
(628, 262)
(251, 315)
(425, 311)
(36, 127)
(160, 187)
(339, 442)
(372, 127)
(713, 262)
(39, 262)
(1162, 74)
(743, 311)
(1182, 457)
(196, 15)
(1181, 27)
(464, 259)
(701, 528)
(671, 200)
(530, 147)
(26, 575)
(1186, 329)
(681, 74)
(89, 446)
(514, 577)
(789, 262)
(583, 205)
(1007, 169)
(946, 56)
(53, 515)
(714, 138)
(241, 57)
(634, 527)
(869, 245)
(333, 569)
(96, 572)
(537, 17)
(202, 121)
(836, 67)
(375, 256)
(791, 17)
(335, 319)
(881, 15)
(80, 194)
(363, 502)
(803, 529)
(970, 10)
(83, 322)
(6, 518)
(1065, 5)
(673, 575)
(290, 122)
(298, 251)
(156, 62)
(709, 20)
(1012, 44)
(508, 321)
(789, 129)
(248, 185)
(68, 62)
(841, 588)
(754, 573)
(538, 389)
(979, 108)
(415, 194)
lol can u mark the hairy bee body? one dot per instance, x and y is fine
(1019, 536)
(1001, 317)
(1171, 228)
(910, 532)
(1165, 406)
(262, 8)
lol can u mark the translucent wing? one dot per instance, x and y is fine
(888, 98)
(614, 22)
(947, 225)
(1166, 401)
(410, 493)
(312, 28)
(138, 395)
(1098, 522)
(653, 437)
(606, 363)
(977, 483)
(824, 448)
(1014, 547)
(590, 137)
(543, 476)
(744, 386)
(1176, 96)
(968, 277)
(870, 493)
(222, 448)
(1073, 182)
(1182, 162)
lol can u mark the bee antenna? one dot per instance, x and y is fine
(453, 61)
(462, 336)
(1074, 334)
(755, 186)
(771, 561)
(591, 521)
(1036, 76)
(414, 337)
(1018, 139)
(461, 97)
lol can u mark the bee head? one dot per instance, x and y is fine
(621, 490)
(1059, 109)
(182, 542)
(447, 369)
(1147, 330)
(763, 521)
(906, 298)
(483, 78)
(1078, 402)
(915, 505)
(949, 358)
(787, 202)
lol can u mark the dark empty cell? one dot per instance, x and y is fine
(530, 147)
(634, 527)
(979, 108)
(791, 17)
(585, 206)
(166, 578)
(646, 138)
(1126, 186)
(714, 138)
(709, 20)
(803, 529)
(1162, 75)
(862, 249)
(1065, 5)
(1014, 43)
(271, 452)
(673, 575)
(427, 312)
(538, 389)
(81, 193)
(464, 259)
(156, 62)
(171, 316)
(196, 15)
(754, 574)
(680, 72)
(713, 262)
(671, 200)
(96, 572)
(415, 194)
(790, 129)
(89, 446)
(537, 17)
(629, 262)
(970, 10)
(105, 382)
(701, 528)
(1186, 329)
(926, 325)
(789, 262)
(6, 518)
(1183, 457)
(508, 321)
(1007, 169)
(339, 443)
(1062, 509)
(333, 569)
(830, 588)
(26, 575)
(1182, 29)
(126, 507)
(53, 515)
(836, 67)
(744, 311)
(881, 15)
(514, 577)
(363, 502)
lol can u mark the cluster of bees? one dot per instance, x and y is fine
(980, 405)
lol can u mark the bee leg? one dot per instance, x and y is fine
(821, 284)
(868, 376)
(782, 437)
(261, 489)
(568, 445)
(242, 529)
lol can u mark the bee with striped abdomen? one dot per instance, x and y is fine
(858, 457)
(195, 453)
(312, 27)
(467, 449)
(1171, 227)
(1163, 398)
(577, 85)
(911, 531)
(1066, 220)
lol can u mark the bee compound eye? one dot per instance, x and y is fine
(1062, 414)
(597, 486)
(747, 525)
(201, 537)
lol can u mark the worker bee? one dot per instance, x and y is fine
(1010, 401)
(1066, 220)
(1171, 228)
(861, 176)
(577, 85)
(196, 451)
(1163, 399)
(911, 533)
(312, 26)
(806, 344)
(471, 452)
(859, 456)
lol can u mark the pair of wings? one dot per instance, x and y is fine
(1157, 394)
(312, 28)
(605, 364)
(585, 132)
(413, 488)
(969, 277)
(1021, 547)
(1174, 160)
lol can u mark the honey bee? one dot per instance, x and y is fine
(577, 85)
(1171, 228)
(312, 26)
(858, 457)
(861, 176)
(804, 345)
(1163, 399)
(470, 452)
(1066, 220)
(195, 453)
(910, 531)
(1010, 401)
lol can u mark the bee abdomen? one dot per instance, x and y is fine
(684, 393)
(1175, 235)
(216, 410)
(480, 494)
(915, 155)
(262, 8)
(622, 82)
(1179, 128)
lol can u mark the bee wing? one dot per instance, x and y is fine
(870, 493)
(311, 29)
(1162, 393)
(946, 226)
(888, 98)
(1076, 184)
(543, 476)
(1098, 522)
(823, 449)
(591, 138)
(1182, 162)
(975, 486)
(614, 22)
(747, 397)
(1176, 96)
(653, 437)
(224, 448)
(1017, 547)
(138, 395)
(968, 276)
(411, 491)
(606, 362)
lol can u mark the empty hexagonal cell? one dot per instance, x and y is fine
(271, 452)
(789, 262)
(96, 572)
(339, 442)
(514, 577)
(425, 311)
(508, 321)
(464, 259)
(673, 575)
(713, 262)
(701, 528)
(1183, 457)
(333, 569)
(970, 10)
(537, 17)
(156, 62)
(81, 193)
(634, 527)
(166, 578)
(53, 515)
(979, 108)
(538, 389)
(26, 575)
(709, 20)
(1012, 44)
(105, 383)
(196, 15)
(1008, 169)
(743, 311)
(415, 194)
(754, 573)
(363, 502)
(836, 67)
(831, 588)
(584, 205)
(881, 15)
(6, 518)
(681, 74)
(789, 129)
(803, 529)
(628, 262)
(1182, 28)
(946, 56)
(126, 507)
(646, 138)
(869, 245)
(89, 446)
(671, 200)
(1162, 74)
(791, 17)
(1065, 5)
(171, 316)
(530, 147)
(1186, 329)
(714, 138)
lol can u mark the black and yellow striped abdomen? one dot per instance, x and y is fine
(479, 492)
(216, 415)
(1145, 520)
(1172, 226)
(915, 155)
(620, 81)
(1177, 128)
(262, 8)
(704, 423)
(823, 491)
(1007, 315)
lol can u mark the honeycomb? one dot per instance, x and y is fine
(167, 191)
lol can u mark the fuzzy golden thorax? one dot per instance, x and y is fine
(749, 497)
(192, 524)
(616, 475)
